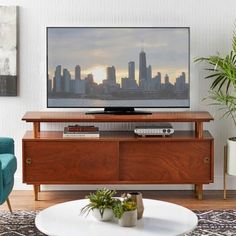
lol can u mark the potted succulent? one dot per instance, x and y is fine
(138, 199)
(223, 93)
(101, 204)
(126, 212)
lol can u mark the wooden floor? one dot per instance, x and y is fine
(24, 200)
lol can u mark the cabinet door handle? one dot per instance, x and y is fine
(206, 160)
(28, 161)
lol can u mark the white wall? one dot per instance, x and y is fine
(211, 24)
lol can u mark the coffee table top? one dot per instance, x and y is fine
(159, 218)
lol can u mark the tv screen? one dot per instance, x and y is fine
(100, 67)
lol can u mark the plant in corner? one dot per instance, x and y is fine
(222, 93)
(101, 204)
(126, 211)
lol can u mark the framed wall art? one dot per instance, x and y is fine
(8, 50)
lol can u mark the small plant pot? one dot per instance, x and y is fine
(231, 156)
(107, 214)
(138, 199)
(128, 219)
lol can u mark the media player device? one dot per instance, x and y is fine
(160, 129)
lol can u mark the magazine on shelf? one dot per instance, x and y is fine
(81, 132)
(81, 128)
(81, 135)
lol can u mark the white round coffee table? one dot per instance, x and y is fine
(159, 218)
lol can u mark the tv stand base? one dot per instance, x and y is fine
(120, 111)
(198, 189)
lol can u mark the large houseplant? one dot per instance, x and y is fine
(223, 93)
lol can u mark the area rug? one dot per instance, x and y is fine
(215, 223)
(212, 222)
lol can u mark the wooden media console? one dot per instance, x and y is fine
(186, 157)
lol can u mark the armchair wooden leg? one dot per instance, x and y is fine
(9, 205)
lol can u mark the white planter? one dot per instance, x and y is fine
(107, 215)
(231, 156)
(128, 219)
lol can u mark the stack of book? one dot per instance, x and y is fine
(80, 131)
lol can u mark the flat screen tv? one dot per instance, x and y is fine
(118, 68)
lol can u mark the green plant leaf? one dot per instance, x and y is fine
(223, 81)
(101, 200)
(122, 206)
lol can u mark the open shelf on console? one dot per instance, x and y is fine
(121, 135)
(193, 116)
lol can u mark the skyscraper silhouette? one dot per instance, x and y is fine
(77, 73)
(111, 74)
(149, 77)
(67, 80)
(131, 68)
(142, 70)
(167, 81)
(58, 81)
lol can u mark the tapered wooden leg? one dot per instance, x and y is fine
(199, 188)
(36, 191)
(9, 205)
(225, 170)
(196, 190)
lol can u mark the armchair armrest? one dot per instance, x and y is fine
(6, 145)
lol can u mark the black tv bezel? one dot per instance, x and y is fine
(120, 27)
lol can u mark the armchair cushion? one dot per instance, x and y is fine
(8, 163)
(6, 145)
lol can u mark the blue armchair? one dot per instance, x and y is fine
(7, 169)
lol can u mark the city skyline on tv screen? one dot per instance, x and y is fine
(100, 67)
